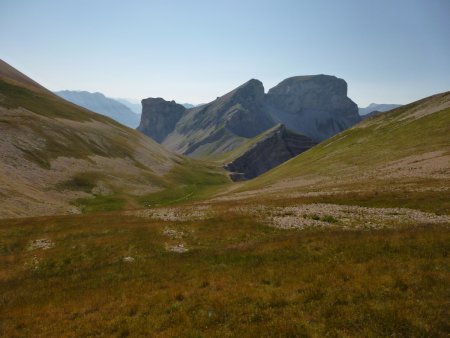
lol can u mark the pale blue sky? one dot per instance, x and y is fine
(388, 51)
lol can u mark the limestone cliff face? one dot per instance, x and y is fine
(278, 146)
(159, 117)
(316, 106)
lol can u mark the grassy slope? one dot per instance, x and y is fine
(353, 159)
(67, 130)
(194, 180)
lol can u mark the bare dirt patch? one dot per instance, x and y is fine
(426, 109)
(435, 164)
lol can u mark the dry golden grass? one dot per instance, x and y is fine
(239, 278)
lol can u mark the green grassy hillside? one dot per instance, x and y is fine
(57, 157)
(380, 161)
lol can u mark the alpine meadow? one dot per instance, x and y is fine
(293, 207)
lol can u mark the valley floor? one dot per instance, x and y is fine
(242, 268)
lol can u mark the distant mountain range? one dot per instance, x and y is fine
(376, 107)
(315, 106)
(99, 103)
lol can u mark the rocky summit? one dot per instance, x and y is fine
(316, 106)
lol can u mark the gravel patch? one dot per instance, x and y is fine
(178, 248)
(344, 216)
(43, 244)
(172, 233)
(175, 214)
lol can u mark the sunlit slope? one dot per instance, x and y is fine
(56, 157)
(406, 146)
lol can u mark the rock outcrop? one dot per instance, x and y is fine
(316, 106)
(276, 147)
(159, 117)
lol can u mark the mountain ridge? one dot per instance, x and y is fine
(227, 122)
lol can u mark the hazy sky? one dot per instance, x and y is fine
(388, 51)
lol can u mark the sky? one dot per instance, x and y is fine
(388, 51)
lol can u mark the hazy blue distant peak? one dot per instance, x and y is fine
(99, 103)
(188, 105)
(379, 107)
(134, 105)
(382, 105)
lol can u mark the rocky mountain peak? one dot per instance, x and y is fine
(303, 92)
(313, 105)
(251, 89)
(250, 93)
